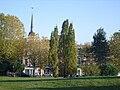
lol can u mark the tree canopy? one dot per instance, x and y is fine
(12, 41)
(100, 46)
(67, 50)
(53, 52)
(115, 48)
(11, 34)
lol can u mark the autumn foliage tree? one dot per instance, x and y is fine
(37, 52)
(12, 33)
(115, 49)
(11, 38)
(43, 53)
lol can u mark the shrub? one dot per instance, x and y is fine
(108, 70)
(22, 75)
(17, 67)
(91, 70)
(5, 66)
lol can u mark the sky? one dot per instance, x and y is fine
(86, 15)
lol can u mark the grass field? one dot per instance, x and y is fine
(83, 83)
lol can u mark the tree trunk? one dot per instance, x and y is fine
(13, 74)
(33, 71)
(40, 72)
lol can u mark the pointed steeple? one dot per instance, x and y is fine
(31, 33)
(31, 24)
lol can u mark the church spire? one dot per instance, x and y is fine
(31, 33)
(31, 24)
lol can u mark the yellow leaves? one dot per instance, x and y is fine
(12, 33)
(38, 48)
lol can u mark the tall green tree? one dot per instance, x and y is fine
(62, 48)
(100, 47)
(71, 53)
(53, 52)
(67, 50)
(115, 49)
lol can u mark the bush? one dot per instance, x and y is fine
(108, 70)
(91, 70)
(22, 75)
(9, 66)
(5, 66)
(17, 67)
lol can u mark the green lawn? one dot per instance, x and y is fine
(83, 83)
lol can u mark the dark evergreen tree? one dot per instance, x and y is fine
(100, 47)
(53, 52)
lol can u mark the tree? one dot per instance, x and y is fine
(37, 52)
(11, 35)
(100, 47)
(53, 52)
(11, 31)
(43, 53)
(71, 53)
(114, 44)
(5, 66)
(67, 50)
(62, 48)
(32, 50)
(17, 67)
